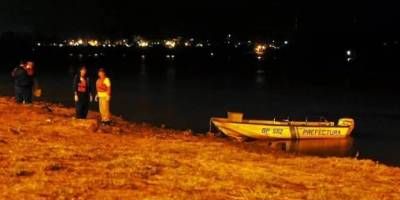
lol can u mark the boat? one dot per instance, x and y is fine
(236, 127)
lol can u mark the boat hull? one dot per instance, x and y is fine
(263, 130)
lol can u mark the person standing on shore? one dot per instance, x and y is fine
(82, 93)
(24, 81)
(103, 86)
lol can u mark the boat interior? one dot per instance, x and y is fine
(279, 122)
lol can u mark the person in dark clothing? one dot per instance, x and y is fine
(82, 93)
(23, 82)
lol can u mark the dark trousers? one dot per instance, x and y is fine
(23, 94)
(82, 106)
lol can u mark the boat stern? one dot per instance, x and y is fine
(347, 122)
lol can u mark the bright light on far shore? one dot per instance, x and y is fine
(260, 49)
(200, 45)
(188, 44)
(143, 43)
(93, 43)
(71, 43)
(170, 44)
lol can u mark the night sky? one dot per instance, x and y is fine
(69, 17)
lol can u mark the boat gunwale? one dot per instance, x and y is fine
(222, 120)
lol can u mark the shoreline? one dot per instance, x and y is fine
(45, 154)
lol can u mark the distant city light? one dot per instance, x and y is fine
(170, 44)
(273, 46)
(74, 43)
(143, 43)
(350, 56)
(200, 45)
(80, 42)
(260, 49)
(170, 56)
(93, 43)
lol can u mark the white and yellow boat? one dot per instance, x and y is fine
(235, 126)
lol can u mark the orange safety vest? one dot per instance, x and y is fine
(82, 85)
(101, 87)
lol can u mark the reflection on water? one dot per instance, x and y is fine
(171, 74)
(143, 69)
(337, 147)
(143, 76)
(260, 78)
(380, 150)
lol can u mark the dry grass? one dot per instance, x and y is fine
(48, 155)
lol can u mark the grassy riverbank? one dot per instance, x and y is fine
(46, 154)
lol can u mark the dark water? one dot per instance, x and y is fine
(184, 92)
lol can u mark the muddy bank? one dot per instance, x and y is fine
(46, 154)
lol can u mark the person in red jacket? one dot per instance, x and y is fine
(82, 87)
